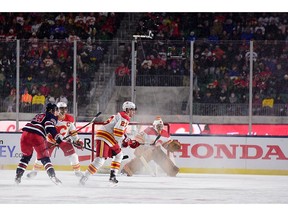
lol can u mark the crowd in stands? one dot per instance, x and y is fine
(46, 55)
(221, 56)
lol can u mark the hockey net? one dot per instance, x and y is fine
(132, 130)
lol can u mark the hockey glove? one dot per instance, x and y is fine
(126, 142)
(54, 141)
(134, 144)
(79, 144)
(58, 138)
(172, 145)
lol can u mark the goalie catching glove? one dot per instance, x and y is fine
(128, 142)
(172, 145)
(79, 144)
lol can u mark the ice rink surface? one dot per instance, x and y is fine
(144, 189)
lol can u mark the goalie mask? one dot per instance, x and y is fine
(158, 124)
(62, 106)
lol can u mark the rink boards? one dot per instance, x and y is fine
(198, 154)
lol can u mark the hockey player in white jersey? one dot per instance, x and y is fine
(65, 126)
(109, 138)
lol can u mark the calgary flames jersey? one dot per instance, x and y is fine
(66, 126)
(113, 129)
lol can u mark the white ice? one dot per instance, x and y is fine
(145, 189)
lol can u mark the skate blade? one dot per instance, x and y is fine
(56, 181)
(112, 184)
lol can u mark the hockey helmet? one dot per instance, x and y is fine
(129, 105)
(51, 107)
(158, 124)
(61, 104)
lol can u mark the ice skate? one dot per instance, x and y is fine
(32, 174)
(112, 178)
(83, 180)
(78, 174)
(18, 179)
(55, 180)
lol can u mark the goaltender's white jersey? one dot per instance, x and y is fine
(113, 130)
(149, 135)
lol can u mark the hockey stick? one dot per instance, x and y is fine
(124, 157)
(64, 138)
(93, 120)
(157, 138)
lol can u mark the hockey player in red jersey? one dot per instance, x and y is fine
(34, 137)
(65, 126)
(109, 138)
(157, 146)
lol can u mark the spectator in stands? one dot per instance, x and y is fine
(81, 93)
(2, 77)
(267, 105)
(26, 101)
(68, 92)
(122, 70)
(34, 90)
(208, 97)
(62, 53)
(233, 98)
(54, 73)
(279, 106)
(256, 104)
(147, 63)
(63, 80)
(6, 89)
(62, 98)
(223, 96)
(48, 61)
(56, 90)
(50, 99)
(38, 102)
(96, 53)
(44, 89)
(10, 101)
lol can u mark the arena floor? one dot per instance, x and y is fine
(143, 189)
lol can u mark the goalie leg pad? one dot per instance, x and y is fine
(132, 166)
(136, 164)
(140, 150)
(164, 162)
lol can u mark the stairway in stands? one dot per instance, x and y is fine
(99, 95)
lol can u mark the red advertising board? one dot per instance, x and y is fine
(231, 129)
(184, 128)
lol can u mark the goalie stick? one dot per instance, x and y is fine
(157, 138)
